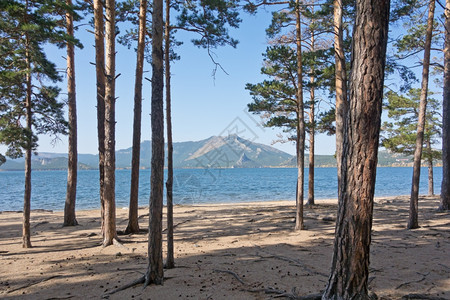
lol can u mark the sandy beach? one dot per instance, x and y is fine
(225, 251)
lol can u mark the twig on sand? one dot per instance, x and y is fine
(232, 273)
(126, 286)
(33, 283)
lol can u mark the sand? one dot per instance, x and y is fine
(226, 251)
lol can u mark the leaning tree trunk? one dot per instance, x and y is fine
(170, 261)
(155, 272)
(413, 221)
(110, 232)
(445, 188)
(133, 223)
(100, 78)
(71, 195)
(341, 92)
(300, 124)
(350, 264)
(26, 232)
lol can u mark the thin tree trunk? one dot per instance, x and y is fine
(350, 264)
(300, 125)
(100, 78)
(170, 262)
(312, 132)
(413, 221)
(341, 92)
(155, 272)
(430, 178)
(110, 124)
(71, 196)
(445, 188)
(26, 232)
(133, 223)
(430, 169)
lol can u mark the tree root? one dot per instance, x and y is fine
(295, 262)
(292, 295)
(421, 296)
(34, 283)
(415, 281)
(232, 273)
(176, 225)
(126, 286)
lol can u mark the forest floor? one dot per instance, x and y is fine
(225, 251)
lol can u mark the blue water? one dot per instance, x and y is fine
(194, 186)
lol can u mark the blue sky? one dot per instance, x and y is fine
(202, 106)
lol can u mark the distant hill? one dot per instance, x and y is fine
(41, 163)
(229, 151)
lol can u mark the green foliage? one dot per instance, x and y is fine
(210, 20)
(23, 32)
(399, 135)
(276, 99)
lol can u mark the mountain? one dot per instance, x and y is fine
(229, 151)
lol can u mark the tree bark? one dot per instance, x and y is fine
(430, 178)
(445, 187)
(133, 223)
(155, 272)
(430, 168)
(170, 261)
(110, 232)
(100, 78)
(71, 196)
(413, 221)
(300, 125)
(341, 92)
(312, 131)
(26, 232)
(350, 264)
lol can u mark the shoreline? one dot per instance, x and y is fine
(329, 201)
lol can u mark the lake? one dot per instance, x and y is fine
(195, 186)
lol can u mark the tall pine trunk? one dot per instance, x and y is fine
(170, 262)
(341, 92)
(413, 221)
(110, 232)
(350, 264)
(445, 187)
(100, 82)
(430, 167)
(26, 232)
(133, 223)
(155, 272)
(300, 124)
(71, 195)
(312, 131)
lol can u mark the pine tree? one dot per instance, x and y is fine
(29, 105)
(399, 135)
